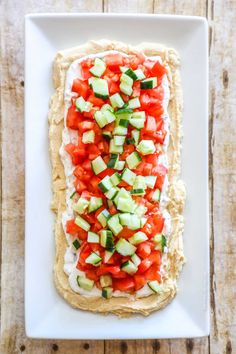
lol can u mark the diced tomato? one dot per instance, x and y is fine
(127, 284)
(86, 195)
(159, 171)
(136, 89)
(150, 125)
(112, 210)
(86, 125)
(81, 87)
(96, 247)
(87, 165)
(126, 233)
(153, 273)
(79, 186)
(144, 265)
(113, 61)
(115, 259)
(120, 275)
(73, 118)
(94, 182)
(107, 172)
(143, 250)
(78, 171)
(158, 70)
(104, 269)
(91, 113)
(155, 257)
(149, 64)
(72, 228)
(147, 169)
(85, 66)
(152, 159)
(140, 281)
(103, 147)
(91, 274)
(114, 88)
(157, 223)
(95, 100)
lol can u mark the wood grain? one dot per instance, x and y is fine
(222, 157)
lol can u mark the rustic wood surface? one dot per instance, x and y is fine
(222, 156)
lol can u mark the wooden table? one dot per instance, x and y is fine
(221, 15)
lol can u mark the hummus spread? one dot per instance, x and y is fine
(173, 196)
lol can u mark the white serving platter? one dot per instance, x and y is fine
(47, 315)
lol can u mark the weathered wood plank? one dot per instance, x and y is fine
(124, 6)
(190, 7)
(221, 16)
(13, 339)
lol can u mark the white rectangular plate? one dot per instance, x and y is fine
(47, 315)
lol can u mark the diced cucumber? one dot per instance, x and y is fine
(131, 74)
(73, 195)
(136, 136)
(139, 115)
(115, 178)
(133, 160)
(85, 283)
(113, 160)
(137, 191)
(143, 221)
(93, 237)
(94, 204)
(125, 112)
(126, 79)
(120, 165)
(105, 184)
(123, 193)
(93, 258)
(116, 100)
(135, 259)
(107, 135)
(126, 205)
(82, 223)
(110, 117)
(82, 105)
(156, 195)
(105, 280)
(126, 89)
(137, 122)
(103, 216)
(108, 255)
(81, 205)
(120, 130)
(149, 83)
(114, 149)
(107, 107)
(138, 237)
(146, 147)
(107, 292)
(100, 119)
(107, 240)
(76, 244)
(112, 193)
(123, 69)
(128, 176)
(88, 137)
(98, 68)
(139, 73)
(123, 123)
(134, 103)
(132, 221)
(129, 267)
(119, 140)
(100, 88)
(140, 210)
(114, 224)
(125, 248)
(98, 165)
(160, 240)
(140, 182)
(150, 181)
(130, 141)
(154, 286)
